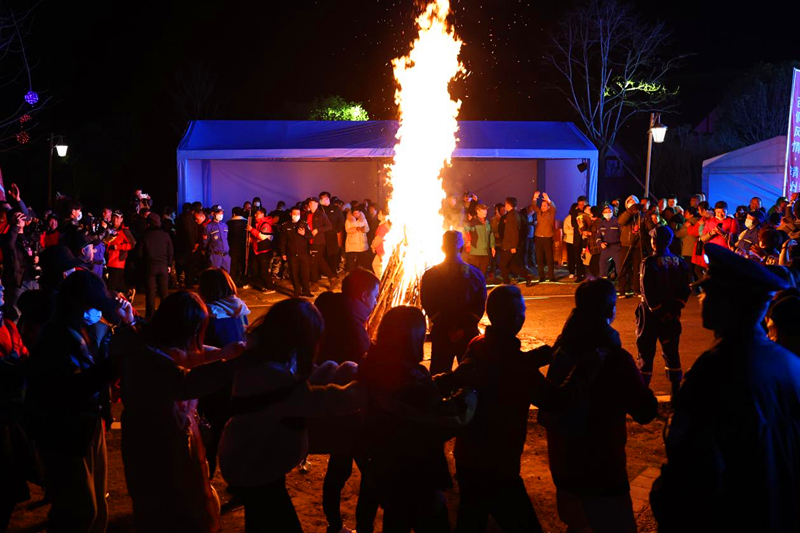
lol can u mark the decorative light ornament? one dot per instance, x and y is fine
(23, 137)
(24, 118)
(31, 97)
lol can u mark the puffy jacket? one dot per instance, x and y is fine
(117, 247)
(627, 220)
(569, 230)
(356, 238)
(481, 237)
(688, 241)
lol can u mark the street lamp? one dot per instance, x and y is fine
(656, 133)
(57, 144)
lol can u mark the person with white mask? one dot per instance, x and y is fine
(69, 377)
(608, 237)
(215, 240)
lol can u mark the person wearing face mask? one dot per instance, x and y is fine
(335, 237)
(631, 249)
(215, 238)
(608, 237)
(749, 237)
(262, 236)
(68, 396)
(295, 248)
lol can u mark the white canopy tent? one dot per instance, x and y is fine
(738, 176)
(228, 162)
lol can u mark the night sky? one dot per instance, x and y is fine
(109, 67)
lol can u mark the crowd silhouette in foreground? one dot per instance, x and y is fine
(204, 389)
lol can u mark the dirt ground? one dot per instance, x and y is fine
(644, 449)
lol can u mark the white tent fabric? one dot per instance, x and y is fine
(227, 162)
(738, 176)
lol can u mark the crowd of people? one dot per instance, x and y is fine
(203, 389)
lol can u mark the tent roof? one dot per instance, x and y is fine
(250, 139)
(769, 154)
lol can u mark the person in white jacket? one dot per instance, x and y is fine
(266, 437)
(356, 245)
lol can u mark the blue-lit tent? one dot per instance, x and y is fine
(228, 162)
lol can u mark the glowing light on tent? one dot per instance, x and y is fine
(426, 140)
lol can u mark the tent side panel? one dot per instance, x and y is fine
(563, 182)
(190, 181)
(491, 180)
(738, 189)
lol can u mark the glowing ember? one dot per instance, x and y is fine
(426, 140)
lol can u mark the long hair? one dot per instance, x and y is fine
(291, 329)
(215, 284)
(180, 322)
(401, 335)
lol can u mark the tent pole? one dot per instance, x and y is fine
(649, 156)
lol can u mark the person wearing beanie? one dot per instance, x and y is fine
(665, 280)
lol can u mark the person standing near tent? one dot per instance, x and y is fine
(320, 224)
(510, 258)
(608, 237)
(215, 239)
(334, 237)
(545, 231)
(262, 237)
(295, 249)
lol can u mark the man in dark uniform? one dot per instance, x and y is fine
(155, 253)
(510, 256)
(733, 444)
(320, 224)
(665, 280)
(631, 250)
(215, 240)
(295, 248)
(237, 242)
(453, 295)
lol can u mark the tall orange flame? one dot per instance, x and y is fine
(426, 140)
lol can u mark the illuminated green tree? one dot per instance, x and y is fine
(337, 108)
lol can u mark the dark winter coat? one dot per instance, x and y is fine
(155, 248)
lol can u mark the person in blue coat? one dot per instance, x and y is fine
(608, 237)
(215, 239)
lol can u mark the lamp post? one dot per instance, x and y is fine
(61, 149)
(656, 133)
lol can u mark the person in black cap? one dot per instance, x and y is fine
(665, 280)
(733, 444)
(453, 295)
(156, 255)
(215, 238)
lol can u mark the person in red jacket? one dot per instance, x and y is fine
(119, 242)
(262, 238)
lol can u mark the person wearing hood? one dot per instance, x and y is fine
(453, 295)
(227, 322)
(586, 443)
(630, 221)
(155, 254)
(488, 451)
(69, 399)
(608, 237)
(407, 424)
(272, 399)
